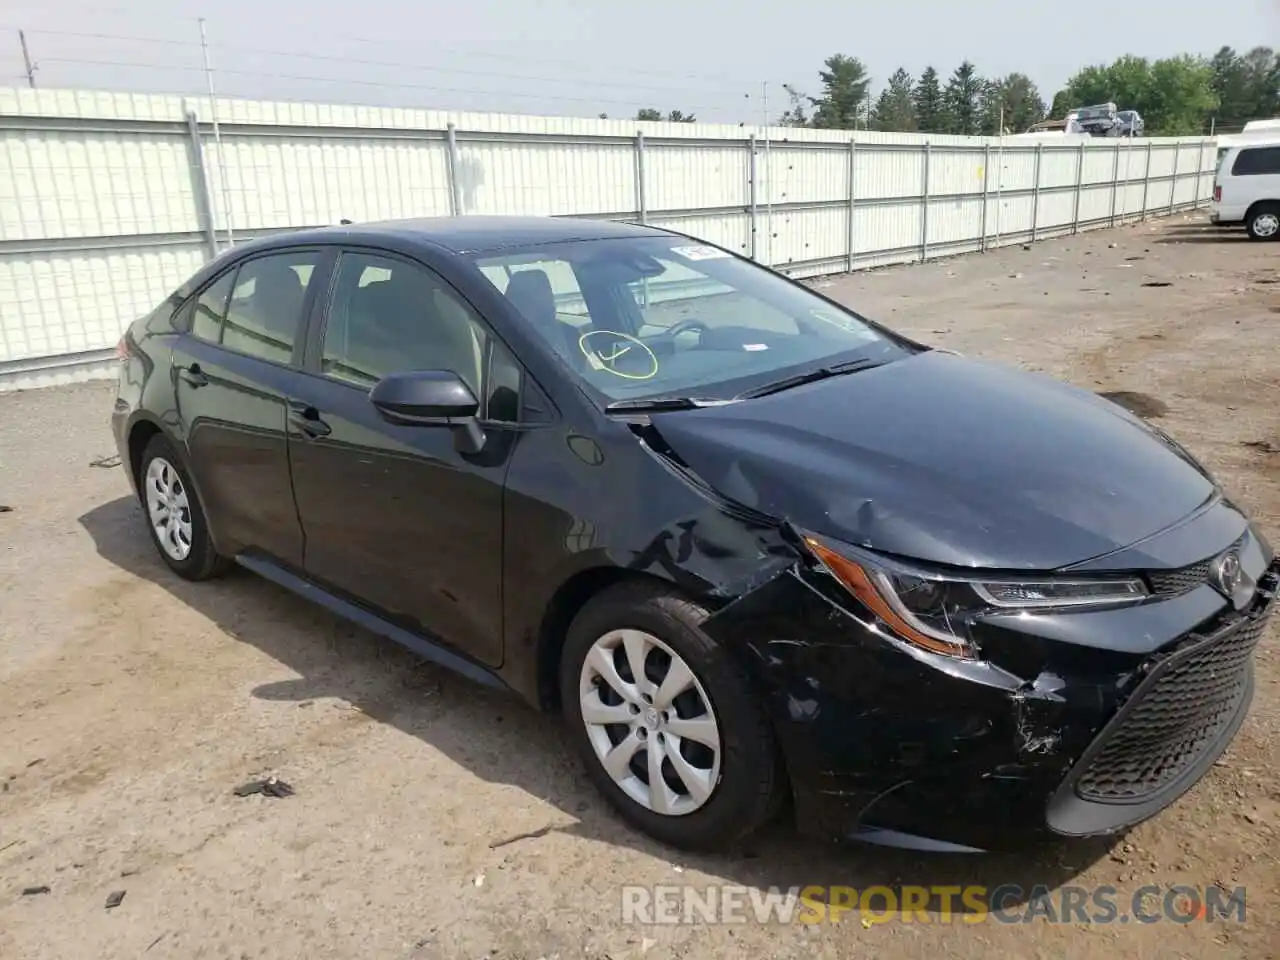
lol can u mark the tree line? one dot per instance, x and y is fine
(1177, 96)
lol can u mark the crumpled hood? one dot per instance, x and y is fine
(945, 459)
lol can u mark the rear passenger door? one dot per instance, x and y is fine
(233, 371)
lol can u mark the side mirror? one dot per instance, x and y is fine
(430, 398)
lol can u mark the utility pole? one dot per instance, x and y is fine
(26, 59)
(217, 132)
(768, 167)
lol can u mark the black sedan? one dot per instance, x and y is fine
(756, 547)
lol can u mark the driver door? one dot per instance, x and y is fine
(394, 516)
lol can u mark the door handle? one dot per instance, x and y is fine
(193, 375)
(306, 418)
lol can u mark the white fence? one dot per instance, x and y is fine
(108, 201)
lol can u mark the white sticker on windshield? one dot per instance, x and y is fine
(700, 253)
(755, 346)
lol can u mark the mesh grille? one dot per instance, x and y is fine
(1179, 581)
(1178, 717)
(1165, 582)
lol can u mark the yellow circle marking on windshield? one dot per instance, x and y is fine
(604, 361)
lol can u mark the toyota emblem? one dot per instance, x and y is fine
(1226, 573)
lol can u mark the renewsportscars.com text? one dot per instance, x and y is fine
(1009, 903)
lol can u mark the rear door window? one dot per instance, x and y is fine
(264, 314)
(210, 308)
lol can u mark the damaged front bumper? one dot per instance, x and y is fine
(1072, 723)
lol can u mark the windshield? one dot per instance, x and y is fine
(666, 316)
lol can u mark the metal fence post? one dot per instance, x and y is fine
(1200, 171)
(986, 183)
(455, 200)
(1075, 214)
(1173, 184)
(853, 196)
(1115, 184)
(924, 210)
(1035, 194)
(641, 200)
(200, 184)
(1146, 180)
(751, 189)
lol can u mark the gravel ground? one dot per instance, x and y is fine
(131, 703)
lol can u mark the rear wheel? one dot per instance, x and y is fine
(175, 516)
(1263, 222)
(665, 720)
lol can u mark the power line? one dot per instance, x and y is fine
(174, 67)
(416, 48)
(400, 64)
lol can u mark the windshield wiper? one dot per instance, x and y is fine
(658, 404)
(810, 376)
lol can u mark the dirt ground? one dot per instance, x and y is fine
(132, 703)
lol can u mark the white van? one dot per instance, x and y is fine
(1246, 187)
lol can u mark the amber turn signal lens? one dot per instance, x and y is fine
(858, 582)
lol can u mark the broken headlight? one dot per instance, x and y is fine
(934, 611)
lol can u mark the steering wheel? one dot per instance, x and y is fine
(683, 326)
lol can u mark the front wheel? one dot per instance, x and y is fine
(1264, 222)
(665, 720)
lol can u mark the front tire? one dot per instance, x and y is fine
(175, 517)
(666, 721)
(1263, 222)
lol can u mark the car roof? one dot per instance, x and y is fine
(1241, 141)
(473, 234)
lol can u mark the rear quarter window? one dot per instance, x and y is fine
(1256, 161)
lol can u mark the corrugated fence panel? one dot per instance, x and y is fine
(954, 220)
(800, 174)
(886, 227)
(1012, 217)
(531, 178)
(74, 302)
(955, 172)
(107, 200)
(730, 230)
(1017, 168)
(1098, 165)
(62, 184)
(1162, 156)
(815, 234)
(888, 173)
(1095, 202)
(1131, 200)
(277, 182)
(686, 177)
(1056, 209)
(1059, 167)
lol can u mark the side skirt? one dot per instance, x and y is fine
(427, 649)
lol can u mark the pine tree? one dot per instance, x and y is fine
(961, 99)
(928, 103)
(844, 95)
(895, 109)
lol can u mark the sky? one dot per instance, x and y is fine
(724, 62)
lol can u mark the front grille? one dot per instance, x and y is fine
(1178, 713)
(1168, 582)
(1179, 581)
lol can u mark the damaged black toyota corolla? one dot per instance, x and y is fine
(753, 545)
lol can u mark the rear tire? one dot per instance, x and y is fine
(711, 743)
(174, 515)
(1263, 222)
